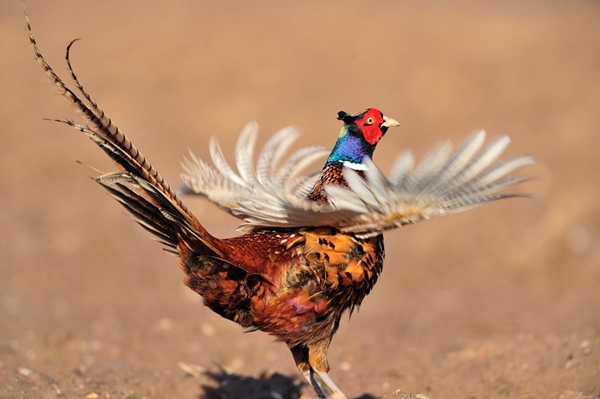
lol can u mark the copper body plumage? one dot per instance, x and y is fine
(312, 245)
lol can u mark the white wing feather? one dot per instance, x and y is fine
(266, 194)
(465, 179)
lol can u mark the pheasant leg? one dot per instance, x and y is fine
(336, 392)
(300, 354)
(317, 379)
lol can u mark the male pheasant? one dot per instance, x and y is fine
(312, 246)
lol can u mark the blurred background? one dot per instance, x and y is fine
(501, 301)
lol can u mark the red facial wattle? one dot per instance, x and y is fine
(370, 124)
(372, 134)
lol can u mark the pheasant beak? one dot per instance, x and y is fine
(389, 122)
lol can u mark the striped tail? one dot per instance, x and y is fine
(138, 186)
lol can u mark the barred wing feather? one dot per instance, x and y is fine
(266, 193)
(445, 182)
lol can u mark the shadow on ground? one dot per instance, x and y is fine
(266, 386)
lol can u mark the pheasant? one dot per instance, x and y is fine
(311, 246)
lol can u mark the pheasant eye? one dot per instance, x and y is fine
(369, 121)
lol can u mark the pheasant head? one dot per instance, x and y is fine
(357, 141)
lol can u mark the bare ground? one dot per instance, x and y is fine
(499, 302)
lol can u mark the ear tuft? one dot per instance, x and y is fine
(347, 118)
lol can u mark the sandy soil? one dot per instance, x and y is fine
(499, 302)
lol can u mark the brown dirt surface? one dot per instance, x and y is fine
(499, 302)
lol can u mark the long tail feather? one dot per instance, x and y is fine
(139, 187)
(95, 115)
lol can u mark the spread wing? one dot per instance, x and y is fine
(444, 182)
(266, 194)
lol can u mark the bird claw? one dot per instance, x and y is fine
(398, 393)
